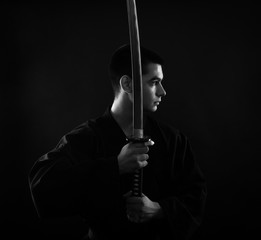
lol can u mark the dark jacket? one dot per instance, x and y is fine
(80, 176)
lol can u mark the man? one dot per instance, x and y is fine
(90, 171)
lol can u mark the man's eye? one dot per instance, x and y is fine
(155, 82)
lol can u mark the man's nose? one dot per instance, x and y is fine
(161, 91)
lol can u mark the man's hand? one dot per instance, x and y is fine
(133, 156)
(142, 209)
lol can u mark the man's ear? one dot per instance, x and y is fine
(126, 83)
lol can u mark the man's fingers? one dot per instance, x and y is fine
(142, 164)
(134, 204)
(133, 218)
(128, 194)
(149, 143)
(143, 149)
(145, 217)
(138, 217)
(142, 157)
(134, 201)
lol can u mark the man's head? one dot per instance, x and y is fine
(120, 72)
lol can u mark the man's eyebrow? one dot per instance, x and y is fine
(155, 78)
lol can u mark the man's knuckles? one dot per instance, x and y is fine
(142, 164)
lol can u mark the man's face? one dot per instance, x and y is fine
(153, 90)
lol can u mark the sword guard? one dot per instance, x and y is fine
(138, 140)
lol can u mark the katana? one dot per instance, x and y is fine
(137, 112)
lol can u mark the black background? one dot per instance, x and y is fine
(54, 77)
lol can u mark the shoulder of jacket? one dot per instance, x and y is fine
(87, 127)
(81, 133)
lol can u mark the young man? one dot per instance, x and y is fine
(90, 171)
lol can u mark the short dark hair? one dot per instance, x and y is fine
(120, 63)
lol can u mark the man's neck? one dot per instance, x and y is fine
(122, 112)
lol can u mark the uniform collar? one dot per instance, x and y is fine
(107, 116)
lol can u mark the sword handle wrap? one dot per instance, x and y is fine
(138, 174)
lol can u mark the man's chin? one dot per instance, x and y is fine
(151, 109)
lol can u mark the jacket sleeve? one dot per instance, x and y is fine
(71, 179)
(185, 202)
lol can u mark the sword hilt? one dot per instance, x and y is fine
(138, 174)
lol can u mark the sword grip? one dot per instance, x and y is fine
(138, 174)
(137, 183)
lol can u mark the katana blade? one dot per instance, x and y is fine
(136, 70)
(137, 132)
